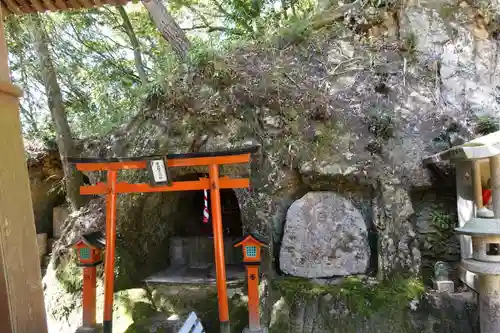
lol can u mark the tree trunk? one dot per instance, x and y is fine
(129, 30)
(167, 26)
(73, 178)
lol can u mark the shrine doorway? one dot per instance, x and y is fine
(191, 247)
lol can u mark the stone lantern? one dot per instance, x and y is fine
(477, 166)
(485, 262)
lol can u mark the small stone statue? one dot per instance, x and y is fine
(441, 271)
(442, 280)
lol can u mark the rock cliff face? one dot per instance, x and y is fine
(45, 172)
(350, 107)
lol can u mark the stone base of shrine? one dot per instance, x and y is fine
(259, 330)
(180, 274)
(87, 329)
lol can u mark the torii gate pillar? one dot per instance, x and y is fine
(21, 298)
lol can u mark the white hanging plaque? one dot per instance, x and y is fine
(158, 170)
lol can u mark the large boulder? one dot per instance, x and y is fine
(325, 235)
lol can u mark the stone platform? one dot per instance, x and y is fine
(182, 274)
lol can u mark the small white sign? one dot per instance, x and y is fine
(159, 171)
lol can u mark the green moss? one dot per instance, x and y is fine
(448, 11)
(443, 229)
(486, 125)
(382, 126)
(361, 298)
(409, 46)
(296, 32)
(69, 274)
(125, 269)
(203, 301)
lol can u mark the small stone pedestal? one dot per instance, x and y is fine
(258, 330)
(442, 282)
(444, 286)
(86, 329)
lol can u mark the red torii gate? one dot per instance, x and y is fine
(214, 183)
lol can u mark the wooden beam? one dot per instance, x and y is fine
(4, 10)
(74, 4)
(5, 325)
(22, 307)
(4, 56)
(193, 185)
(86, 3)
(172, 163)
(13, 7)
(50, 5)
(61, 4)
(38, 6)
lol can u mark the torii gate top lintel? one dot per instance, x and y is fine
(224, 153)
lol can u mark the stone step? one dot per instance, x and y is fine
(198, 251)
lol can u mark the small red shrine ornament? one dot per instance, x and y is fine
(89, 251)
(251, 248)
(251, 258)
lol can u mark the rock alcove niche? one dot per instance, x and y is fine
(191, 244)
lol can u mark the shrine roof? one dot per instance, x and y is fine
(95, 239)
(479, 148)
(257, 237)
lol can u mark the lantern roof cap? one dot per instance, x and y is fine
(483, 147)
(93, 239)
(251, 237)
(480, 227)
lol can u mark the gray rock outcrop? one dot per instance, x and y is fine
(325, 235)
(398, 248)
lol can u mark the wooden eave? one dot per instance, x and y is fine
(20, 7)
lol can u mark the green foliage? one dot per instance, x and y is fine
(409, 45)
(294, 32)
(442, 230)
(448, 11)
(486, 125)
(70, 275)
(361, 297)
(203, 301)
(200, 55)
(381, 126)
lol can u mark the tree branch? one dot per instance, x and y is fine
(132, 75)
(129, 30)
(212, 29)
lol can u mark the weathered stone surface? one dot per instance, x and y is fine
(45, 173)
(297, 311)
(443, 313)
(350, 111)
(325, 235)
(59, 216)
(398, 246)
